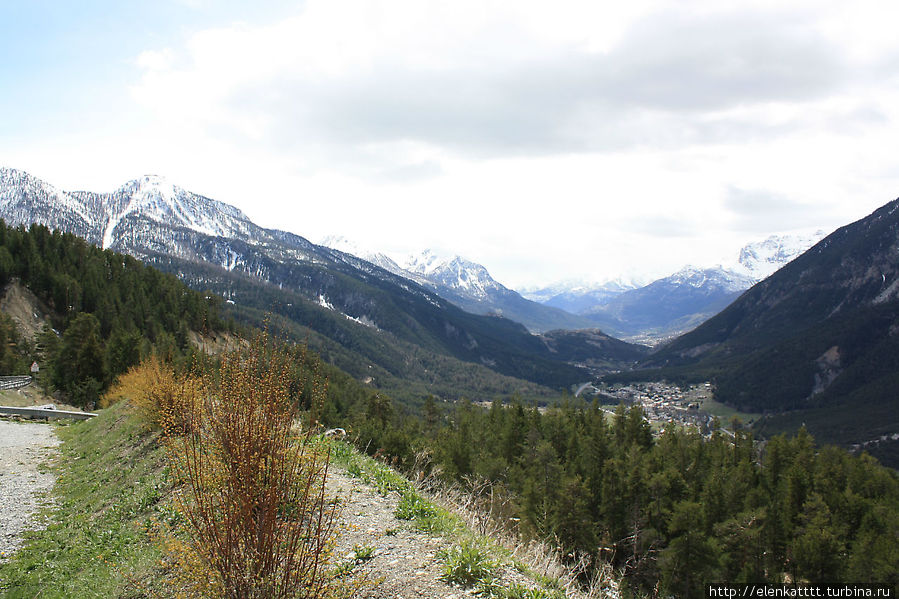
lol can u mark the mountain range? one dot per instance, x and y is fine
(468, 285)
(366, 318)
(815, 343)
(630, 309)
(665, 308)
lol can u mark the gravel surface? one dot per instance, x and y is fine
(404, 559)
(404, 564)
(24, 484)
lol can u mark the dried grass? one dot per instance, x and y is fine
(488, 510)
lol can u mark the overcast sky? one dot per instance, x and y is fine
(545, 140)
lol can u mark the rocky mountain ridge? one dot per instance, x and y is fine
(346, 299)
(468, 285)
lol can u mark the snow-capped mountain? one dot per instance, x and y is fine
(364, 314)
(671, 305)
(152, 197)
(679, 302)
(709, 279)
(455, 274)
(109, 220)
(761, 259)
(466, 284)
(576, 296)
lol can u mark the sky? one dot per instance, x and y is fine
(545, 140)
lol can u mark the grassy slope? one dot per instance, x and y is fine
(111, 491)
(110, 483)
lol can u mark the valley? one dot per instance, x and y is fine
(451, 300)
(440, 325)
(482, 402)
(665, 404)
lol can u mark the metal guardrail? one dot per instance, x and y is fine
(14, 382)
(41, 412)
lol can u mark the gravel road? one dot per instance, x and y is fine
(24, 446)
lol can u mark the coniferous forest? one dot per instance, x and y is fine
(106, 311)
(672, 510)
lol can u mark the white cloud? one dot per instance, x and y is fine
(545, 140)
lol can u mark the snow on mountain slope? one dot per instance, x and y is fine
(719, 279)
(96, 216)
(761, 259)
(25, 199)
(679, 302)
(755, 261)
(577, 295)
(466, 284)
(342, 244)
(452, 274)
(455, 273)
(156, 199)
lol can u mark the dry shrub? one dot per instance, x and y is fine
(163, 399)
(250, 488)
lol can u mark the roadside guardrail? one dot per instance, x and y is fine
(14, 382)
(44, 412)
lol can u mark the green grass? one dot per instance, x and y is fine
(468, 564)
(725, 413)
(110, 487)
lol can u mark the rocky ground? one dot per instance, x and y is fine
(24, 483)
(404, 562)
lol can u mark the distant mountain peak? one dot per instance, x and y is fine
(465, 283)
(453, 274)
(761, 259)
(426, 262)
(156, 198)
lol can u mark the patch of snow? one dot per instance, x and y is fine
(324, 303)
(761, 259)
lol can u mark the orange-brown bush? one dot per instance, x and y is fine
(250, 486)
(163, 398)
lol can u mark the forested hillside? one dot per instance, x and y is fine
(105, 311)
(211, 245)
(814, 343)
(673, 511)
(386, 360)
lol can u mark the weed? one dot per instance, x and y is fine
(363, 553)
(468, 565)
(518, 591)
(413, 507)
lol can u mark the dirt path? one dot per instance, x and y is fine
(403, 559)
(24, 484)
